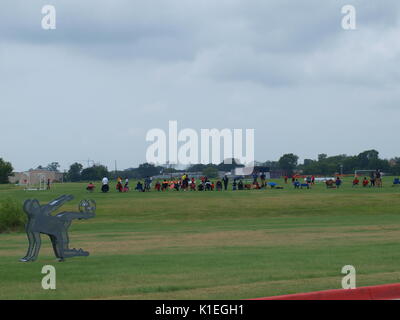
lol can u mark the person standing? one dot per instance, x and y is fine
(338, 182)
(255, 177)
(226, 181)
(105, 187)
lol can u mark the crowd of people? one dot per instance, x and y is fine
(259, 181)
(186, 183)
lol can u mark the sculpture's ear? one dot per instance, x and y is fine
(27, 205)
(35, 206)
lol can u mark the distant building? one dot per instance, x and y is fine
(34, 177)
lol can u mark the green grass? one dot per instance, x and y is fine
(212, 245)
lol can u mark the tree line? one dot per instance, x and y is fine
(287, 164)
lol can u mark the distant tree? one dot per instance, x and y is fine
(53, 166)
(196, 167)
(322, 156)
(94, 173)
(148, 170)
(288, 163)
(210, 172)
(6, 170)
(271, 164)
(367, 158)
(229, 165)
(395, 166)
(74, 172)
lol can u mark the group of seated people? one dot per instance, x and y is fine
(105, 185)
(298, 185)
(365, 182)
(207, 185)
(144, 187)
(372, 182)
(188, 185)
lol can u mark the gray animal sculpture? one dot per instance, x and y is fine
(56, 227)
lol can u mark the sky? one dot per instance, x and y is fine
(113, 70)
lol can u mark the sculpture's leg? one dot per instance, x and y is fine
(59, 246)
(30, 248)
(36, 247)
(54, 244)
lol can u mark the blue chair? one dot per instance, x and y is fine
(396, 182)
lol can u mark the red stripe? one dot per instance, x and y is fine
(384, 292)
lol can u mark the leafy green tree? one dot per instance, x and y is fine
(288, 163)
(96, 172)
(54, 166)
(148, 170)
(226, 166)
(395, 166)
(74, 172)
(198, 167)
(6, 170)
(210, 172)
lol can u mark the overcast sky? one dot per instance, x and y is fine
(112, 70)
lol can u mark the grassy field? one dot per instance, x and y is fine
(212, 245)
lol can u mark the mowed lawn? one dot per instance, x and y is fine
(212, 245)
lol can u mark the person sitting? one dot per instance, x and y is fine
(305, 185)
(219, 185)
(164, 185)
(193, 185)
(126, 185)
(139, 187)
(365, 182)
(272, 184)
(296, 184)
(356, 182)
(119, 186)
(200, 187)
(177, 186)
(256, 186)
(330, 184)
(90, 187)
(158, 186)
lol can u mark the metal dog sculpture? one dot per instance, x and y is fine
(56, 227)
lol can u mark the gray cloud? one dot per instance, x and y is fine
(113, 70)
